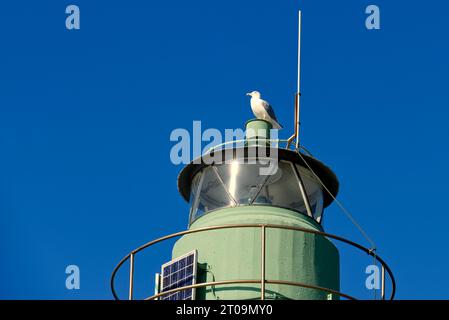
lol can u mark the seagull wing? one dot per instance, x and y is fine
(269, 110)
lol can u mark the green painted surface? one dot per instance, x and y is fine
(257, 129)
(231, 254)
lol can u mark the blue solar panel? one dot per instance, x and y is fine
(178, 273)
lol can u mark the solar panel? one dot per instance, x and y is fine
(178, 273)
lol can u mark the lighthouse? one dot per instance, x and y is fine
(237, 191)
(255, 227)
(255, 216)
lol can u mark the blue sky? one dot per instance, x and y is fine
(86, 115)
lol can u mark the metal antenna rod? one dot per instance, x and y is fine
(298, 91)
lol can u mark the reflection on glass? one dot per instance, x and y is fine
(234, 171)
(239, 183)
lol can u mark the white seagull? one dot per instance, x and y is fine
(262, 109)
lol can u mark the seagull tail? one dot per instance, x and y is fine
(277, 125)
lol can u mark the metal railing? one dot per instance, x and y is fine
(255, 281)
(263, 281)
(271, 142)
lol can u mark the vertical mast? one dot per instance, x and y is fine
(298, 90)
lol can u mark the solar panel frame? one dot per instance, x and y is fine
(186, 261)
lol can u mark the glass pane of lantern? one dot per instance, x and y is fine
(314, 192)
(213, 194)
(282, 189)
(194, 193)
(220, 185)
(242, 180)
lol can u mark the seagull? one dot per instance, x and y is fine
(262, 109)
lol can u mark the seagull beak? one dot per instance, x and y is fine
(248, 94)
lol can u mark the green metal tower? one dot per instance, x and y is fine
(255, 228)
(257, 211)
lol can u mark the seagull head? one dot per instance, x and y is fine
(254, 94)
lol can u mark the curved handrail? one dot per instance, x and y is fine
(256, 281)
(223, 144)
(287, 147)
(273, 226)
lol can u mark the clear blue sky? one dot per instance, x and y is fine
(85, 120)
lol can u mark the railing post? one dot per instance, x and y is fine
(262, 265)
(131, 276)
(382, 288)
